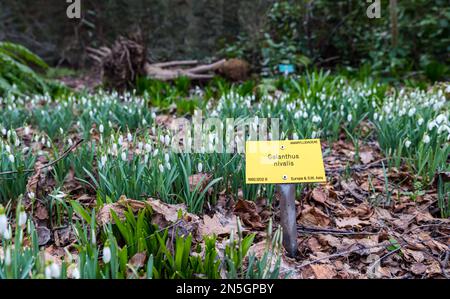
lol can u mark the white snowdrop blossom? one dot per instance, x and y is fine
(48, 272)
(407, 143)
(148, 147)
(431, 125)
(349, 118)
(426, 139)
(161, 168)
(76, 273)
(3, 223)
(167, 140)
(411, 112)
(168, 166)
(124, 156)
(101, 128)
(55, 270)
(22, 218)
(200, 167)
(130, 137)
(11, 158)
(420, 121)
(166, 157)
(103, 161)
(106, 254)
(441, 118)
(8, 256)
(7, 233)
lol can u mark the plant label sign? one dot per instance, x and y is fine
(286, 68)
(284, 162)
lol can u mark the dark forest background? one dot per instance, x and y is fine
(412, 36)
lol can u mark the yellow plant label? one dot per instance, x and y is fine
(284, 162)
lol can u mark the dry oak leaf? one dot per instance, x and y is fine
(246, 211)
(314, 216)
(138, 260)
(319, 195)
(418, 268)
(218, 225)
(366, 157)
(323, 271)
(350, 222)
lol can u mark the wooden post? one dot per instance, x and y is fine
(288, 217)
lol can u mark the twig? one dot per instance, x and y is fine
(378, 261)
(64, 155)
(346, 252)
(330, 231)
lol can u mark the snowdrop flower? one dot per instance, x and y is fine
(443, 128)
(4, 131)
(375, 116)
(200, 167)
(3, 221)
(124, 156)
(153, 131)
(61, 130)
(146, 159)
(148, 147)
(76, 273)
(22, 218)
(166, 157)
(140, 145)
(313, 134)
(27, 130)
(101, 128)
(349, 118)
(161, 138)
(411, 112)
(7, 233)
(420, 121)
(48, 272)
(8, 256)
(93, 238)
(167, 140)
(8, 148)
(440, 119)
(168, 166)
(407, 143)
(426, 139)
(17, 142)
(106, 254)
(55, 270)
(11, 158)
(161, 168)
(295, 136)
(31, 195)
(103, 161)
(431, 125)
(155, 152)
(130, 137)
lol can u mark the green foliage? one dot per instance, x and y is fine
(16, 75)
